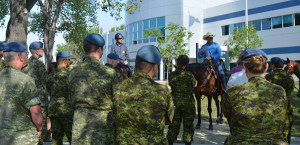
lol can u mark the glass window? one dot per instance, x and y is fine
(277, 22)
(161, 22)
(288, 20)
(241, 25)
(266, 24)
(297, 19)
(256, 24)
(225, 30)
(153, 23)
(146, 27)
(231, 28)
(135, 27)
(131, 34)
(140, 32)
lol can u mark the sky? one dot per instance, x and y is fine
(102, 18)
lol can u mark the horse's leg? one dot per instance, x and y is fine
(198, 97)
(209, 112)
(220, 116)
(218, 107)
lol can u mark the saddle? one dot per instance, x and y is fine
(214, 71)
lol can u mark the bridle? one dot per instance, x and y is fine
(291, 68)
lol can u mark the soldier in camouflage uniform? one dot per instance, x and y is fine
(90, 85)
(182, 83)
(282, 78)
(256, 111)
(21, 118)
(143, 107)
(60, 106)
(2, 64)
(112, 61)
(36, 69)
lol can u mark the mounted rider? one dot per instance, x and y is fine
(212, 51)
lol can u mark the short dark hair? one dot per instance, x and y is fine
(142, 66)
(278, 65)
(89, 47)
(183, 60)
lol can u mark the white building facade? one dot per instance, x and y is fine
(277, 23)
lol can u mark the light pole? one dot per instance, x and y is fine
(246, 15)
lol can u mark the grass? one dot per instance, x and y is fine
(295, 102)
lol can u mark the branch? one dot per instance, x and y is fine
(44, 11)
(56, 15)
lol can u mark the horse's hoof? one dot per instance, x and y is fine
(220, 121)
(210, 128)
(197, 126)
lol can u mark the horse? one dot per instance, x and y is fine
(125, 71)
(293, 68)
(210, 85)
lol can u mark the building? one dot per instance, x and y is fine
(277, 22)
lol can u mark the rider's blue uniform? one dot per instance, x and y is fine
(214, 51)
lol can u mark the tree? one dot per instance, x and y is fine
(122, 27)
(4, 10)
(173, 44)
(18, 22)
(75, 38)
(237, 42)
(50, 11)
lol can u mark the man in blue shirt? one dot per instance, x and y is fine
(212, 51)
(120, 49)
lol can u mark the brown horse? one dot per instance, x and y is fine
(293, 68)
(125, 71)
(210, 85)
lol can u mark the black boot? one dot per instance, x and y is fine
(170, 143)
(298, 94)
(188, 143)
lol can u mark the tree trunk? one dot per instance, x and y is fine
(49, 27)
(17, 25)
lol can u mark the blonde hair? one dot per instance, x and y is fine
(256, 64)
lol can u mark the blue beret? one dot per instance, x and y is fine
(15, 47)
(36, 45)
(252, 52)
(113, 56)
(277, 60)
(2, 45)
(95, 39)
(149, 53)
(63, 54)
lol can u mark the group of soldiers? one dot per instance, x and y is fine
(93, 104)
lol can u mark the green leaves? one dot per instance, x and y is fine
(173, 44)
(237, 42)
(4, 10)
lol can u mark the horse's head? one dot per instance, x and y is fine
(289, 66)
(124, 70)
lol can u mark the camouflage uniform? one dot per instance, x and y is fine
(142, 109)
(60, 108)
(90, 87)
(118, 71)
(36, 69)
(17, 94)
(256, 112)
(282, 78)
(2, 64)
(182, 84)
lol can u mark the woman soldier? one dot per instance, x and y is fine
(256, 111)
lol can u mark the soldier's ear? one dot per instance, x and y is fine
(267, 67)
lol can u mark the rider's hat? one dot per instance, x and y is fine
(208, 34)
